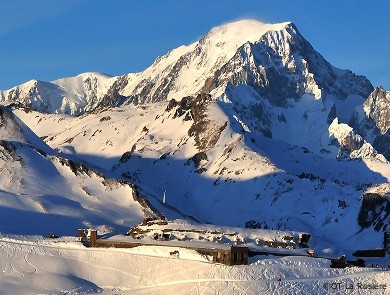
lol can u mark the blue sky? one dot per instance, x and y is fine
(50, 39)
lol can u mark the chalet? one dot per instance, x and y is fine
(227, 247)
(234, 255)
(219, 253)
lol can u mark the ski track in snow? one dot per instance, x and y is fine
(13, 261)
(139, 274)
(29, 263)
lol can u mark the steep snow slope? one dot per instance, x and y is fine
(14, 130)
(282, 64)
(183, 71)
(42, 193)
(100, 138)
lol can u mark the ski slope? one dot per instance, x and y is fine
(36, 266)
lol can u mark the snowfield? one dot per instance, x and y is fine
(37, 266)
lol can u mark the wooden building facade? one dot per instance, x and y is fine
(235, 255)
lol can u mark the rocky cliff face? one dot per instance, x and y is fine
(282, 65)
(351, 144)
(372, 121)
(375, 213)
(377, 108)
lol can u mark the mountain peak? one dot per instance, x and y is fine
(272, 53)
(12, 129)
(251, 24)
(244, 30)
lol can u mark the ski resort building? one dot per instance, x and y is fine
(219, 253)
(230, 246)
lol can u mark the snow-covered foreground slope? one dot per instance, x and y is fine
(42, 193)
(36, 266)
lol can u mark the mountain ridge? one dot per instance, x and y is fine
(208, 54)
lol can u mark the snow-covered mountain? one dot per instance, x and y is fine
(214, 171)
(249, 126)
(272, 58)
(74, 95)
(41, 192)
(272, 77)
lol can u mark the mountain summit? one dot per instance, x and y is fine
(264, 56)
(272, 77)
